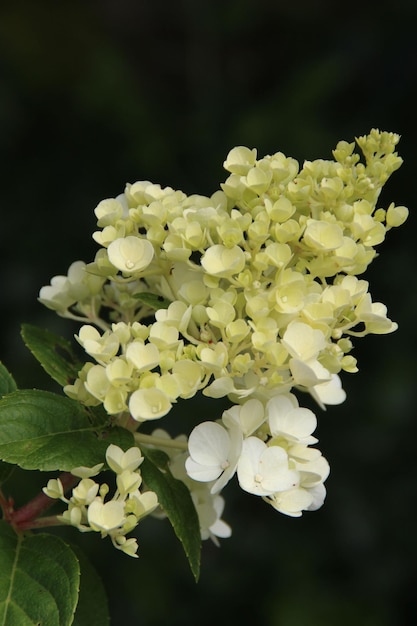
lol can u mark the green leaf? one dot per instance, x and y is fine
(42, 430)
(53, 352)
(153, 300)
(39, 580)
(175, 499)
(92, 607)
(7, 383)
(5, 471)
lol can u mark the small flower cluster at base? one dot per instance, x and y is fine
(90, 509)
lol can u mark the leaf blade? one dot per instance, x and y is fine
(7, 385)
(39, 580)
(44, 431)
(152, 300)
(53, 352)
(92, 608)
(176, 501)
(7, 382)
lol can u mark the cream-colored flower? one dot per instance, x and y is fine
(221, 261)
(149, 404)
(264, 470)
(130, 254)
(120, 461)
(106, 516)
(214, 453)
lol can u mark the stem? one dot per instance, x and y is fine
(125, 420)
(160, 442)
(42, 522)
(25, 517)
(86, 320)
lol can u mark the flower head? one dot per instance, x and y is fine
(250, 293)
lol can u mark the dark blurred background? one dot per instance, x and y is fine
(94, 94)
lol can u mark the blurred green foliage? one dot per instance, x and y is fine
(94, 94)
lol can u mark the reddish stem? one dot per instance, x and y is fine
(25, 516)
(41, 522)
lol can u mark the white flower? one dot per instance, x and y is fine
(87, 472)
(329, 392)
(188, 375)
(128, 482)
(323, 236)
(54, 488)
(224, 386)
(214, 453)
(128, 546)
(396, 215)
(374, 315)
(302, 341)
(221, 261)
(209, 510)
(219, 528)
(143, 356)
(248, 416)
(286, 419)
(130, 254)
(318, 493)
(142, 504)
(109, 211)
(308, 373)
(164, 336)
(101, 347)
(107, 516)
(120, 461)
(291, 502)
(56, 296)
(294, 501)
(263, 470)
(240, 160)
(85, 491)
(64, 291)
(149, 404)
(209, 506)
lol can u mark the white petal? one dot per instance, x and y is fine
(264, 470)
(144, 357)
(273, 466)
(248, 416)
(308, 373)
(329, 392)
(202, 473)
(292, 502)
(297, 424)
(302, 341)
(319, 494)
(108, 516)
(209, 444)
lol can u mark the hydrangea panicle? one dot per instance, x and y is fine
(251, 294)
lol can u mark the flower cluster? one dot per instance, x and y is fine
(88, 509)
(268, 448)
(248, 294)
